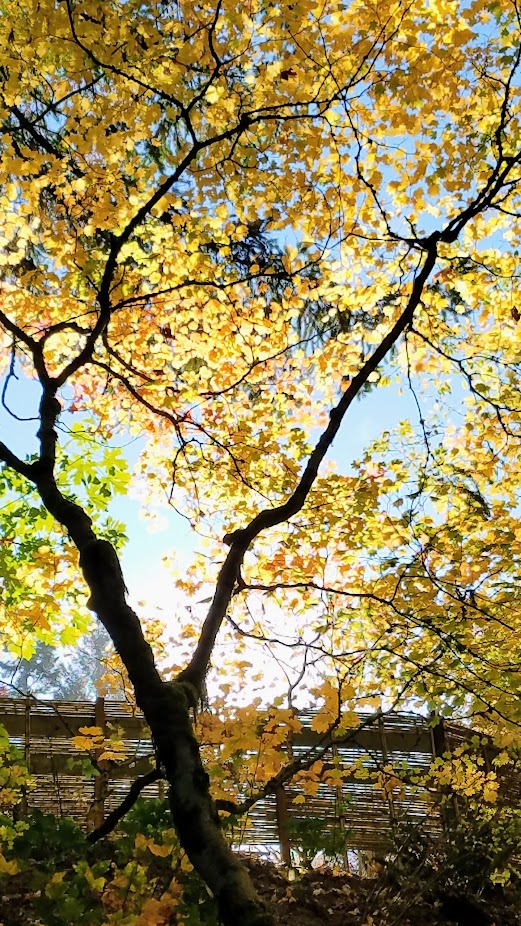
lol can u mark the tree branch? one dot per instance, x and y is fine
(240, 540)
(127, 803)
(10, 459)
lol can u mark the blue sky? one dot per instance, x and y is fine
(379, 410)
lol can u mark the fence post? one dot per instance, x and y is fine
(385, 760)
(96, 813)
(440, 745)
(21, 810)
(339, 811)
(281, 805)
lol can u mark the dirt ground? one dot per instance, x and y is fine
(323, 898)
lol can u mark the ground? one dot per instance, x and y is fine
(323, 898)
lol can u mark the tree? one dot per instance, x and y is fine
(71, 677)
(222, 224)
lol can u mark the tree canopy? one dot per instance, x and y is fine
(222, 224)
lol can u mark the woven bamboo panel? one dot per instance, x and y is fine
(43, 730)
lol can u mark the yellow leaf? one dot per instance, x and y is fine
(162, 851)
(321, 723)
(8, 868)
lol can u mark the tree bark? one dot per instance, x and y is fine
(167, 710)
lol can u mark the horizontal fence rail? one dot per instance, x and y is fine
(367, 816)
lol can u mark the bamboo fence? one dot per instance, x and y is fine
(42, 730)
